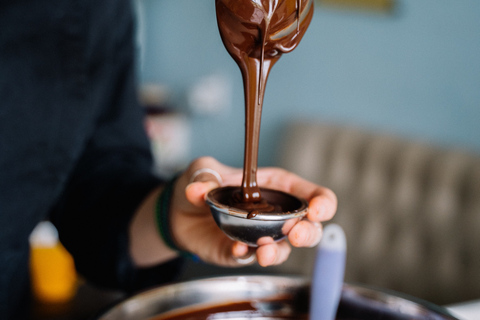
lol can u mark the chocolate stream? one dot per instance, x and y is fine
(256, 33)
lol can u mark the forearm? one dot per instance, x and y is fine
(147, 248)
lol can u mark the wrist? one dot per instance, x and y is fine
(163, 212)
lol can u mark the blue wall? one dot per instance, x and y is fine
(415, 73)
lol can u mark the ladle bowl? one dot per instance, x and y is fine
(237, 224)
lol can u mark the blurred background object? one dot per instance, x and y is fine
(54, 279)
(384, 6)
(58, 292)
(410, 211)
(167, 128)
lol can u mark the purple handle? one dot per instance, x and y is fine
(328, 274)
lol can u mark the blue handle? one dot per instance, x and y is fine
(328, 274)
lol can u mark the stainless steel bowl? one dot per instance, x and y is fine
(235, 224)
(357, 302)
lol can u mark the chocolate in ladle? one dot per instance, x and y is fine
(256, 33)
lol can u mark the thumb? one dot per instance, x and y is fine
(196, 192)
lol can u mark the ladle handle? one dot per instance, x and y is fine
(328, 274)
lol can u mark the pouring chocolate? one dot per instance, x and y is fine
(256, 33)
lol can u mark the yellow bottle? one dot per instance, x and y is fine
(53, 275)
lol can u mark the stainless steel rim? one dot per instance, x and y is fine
(219, 290)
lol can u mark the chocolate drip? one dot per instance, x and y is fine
(262, 205)
(256, 33)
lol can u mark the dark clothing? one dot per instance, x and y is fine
(72, 144)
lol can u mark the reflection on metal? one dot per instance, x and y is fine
(383, 6)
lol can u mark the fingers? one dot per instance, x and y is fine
(202, 175)
(247, 258)
(239, 249)
(322, 201)
(196, 192)
(322, 207)
(209, 169)
(273, 253)
(268, 253)
(205, 174)
(305, 234)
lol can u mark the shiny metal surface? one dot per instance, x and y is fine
(357, 302)
(235, 224)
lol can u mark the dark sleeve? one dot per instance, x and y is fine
(112, 176)
(94, 213)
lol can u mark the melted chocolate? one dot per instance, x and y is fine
(262, 205)
(256, 33)
(283, 202)
(237, 310)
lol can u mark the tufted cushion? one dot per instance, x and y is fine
(411, 211)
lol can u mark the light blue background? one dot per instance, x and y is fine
(415, 73)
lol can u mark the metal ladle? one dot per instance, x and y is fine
(237, 224)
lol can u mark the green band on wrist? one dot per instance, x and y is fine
(162, 215)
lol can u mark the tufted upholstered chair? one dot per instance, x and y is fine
(411, 212)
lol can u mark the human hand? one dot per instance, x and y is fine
(195, 230)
